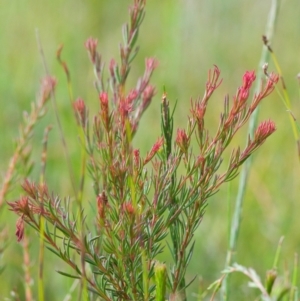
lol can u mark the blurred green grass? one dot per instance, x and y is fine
(187, 37)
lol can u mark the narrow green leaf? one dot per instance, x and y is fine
(68, 275)
(57, 253)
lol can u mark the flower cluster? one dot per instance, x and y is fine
(136, 211)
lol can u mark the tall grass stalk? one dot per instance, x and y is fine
(42, 219)
(237, 215)
(77, 191)
(80, 112)
(57, 117)
(294, 290)
(27, 263)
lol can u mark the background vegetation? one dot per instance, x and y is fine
(187, 37)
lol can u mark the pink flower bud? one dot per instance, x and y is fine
(128, 208)
(20, 228)
(151, 64)
(80, 110)
(133, 94)
(182, 140)
(148, 93)
(155, 148)
(248, 79)
(48, 85)
(103, 99)
(91, 46)
(112, 67)
(264, 130)
(136, 157)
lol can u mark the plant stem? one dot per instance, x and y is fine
(26, 257)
